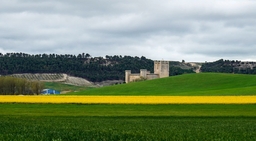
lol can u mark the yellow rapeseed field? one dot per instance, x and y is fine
(131, 99)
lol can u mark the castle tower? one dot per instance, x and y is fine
(161, 68)
(143, 73)
(127, 76)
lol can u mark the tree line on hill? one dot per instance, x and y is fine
(229, 66)
(95, 69)
(15, 86)
(177, 68)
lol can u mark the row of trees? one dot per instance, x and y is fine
(229, 66)
(15, 86)
(179, 71)
(25, 55)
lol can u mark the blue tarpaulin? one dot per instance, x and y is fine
(50, 91)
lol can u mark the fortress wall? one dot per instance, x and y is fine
(133, 77)
(152, 76)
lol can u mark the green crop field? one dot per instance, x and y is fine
(184, 85)
(127, 122)
(110, 122)
(189, 110)
(126, 128)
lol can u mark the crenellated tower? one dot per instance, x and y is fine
(161, 68)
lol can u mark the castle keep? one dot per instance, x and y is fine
(161, 69)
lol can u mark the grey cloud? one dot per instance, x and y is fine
(197, 30)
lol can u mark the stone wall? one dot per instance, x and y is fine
(133, 77)
(152, 76)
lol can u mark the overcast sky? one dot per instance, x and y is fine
(190, 30)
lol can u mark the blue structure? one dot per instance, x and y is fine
(50, 91)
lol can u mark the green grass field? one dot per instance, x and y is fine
(64, 87)
(184, 85)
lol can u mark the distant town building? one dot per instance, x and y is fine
(161, 70)
(50, 91)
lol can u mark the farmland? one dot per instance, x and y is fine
(211, 107)
(104, 110)
(127, 128)
(131, 99)
(127, 122)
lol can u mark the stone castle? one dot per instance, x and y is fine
(161, 70)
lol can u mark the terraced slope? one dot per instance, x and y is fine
(55, 77)
(42, 77)
(185, 85)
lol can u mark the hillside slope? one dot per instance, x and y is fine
(188, 84)
(54, 77)
(94, 69)
(229, 66)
